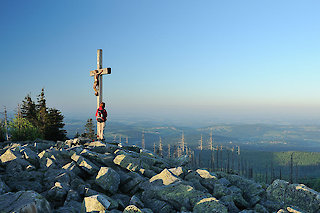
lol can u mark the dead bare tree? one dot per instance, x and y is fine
(6, 123)
(143, 142)
(272, 171)
(200, 148)
(212, 160)
(160, 146)
(182, 144)
(266, 170)
(297, 172)
(228, 161)
(239, 159)
(217, 157)
(232, 158)
(291, 167)
(221, 157)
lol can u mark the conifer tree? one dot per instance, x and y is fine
(29, 111)
(77, 135)
(89, 129)
(49, 122)
(42, 112)
(54, 126)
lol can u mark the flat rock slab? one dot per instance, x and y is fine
(178, 195)
(127, 162)
(294, 194)
(209, 205)
(8, 156)
(132, 209)
(108, 179)
(166, 176)
(85, 164)
(24, 201)
(95, 203)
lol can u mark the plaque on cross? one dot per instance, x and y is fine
(97, 74)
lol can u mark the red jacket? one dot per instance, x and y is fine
(104, 113)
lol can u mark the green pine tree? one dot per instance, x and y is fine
(77, 135)
(54, 126)
(29, 110)
(42, 113)
(47, 121)
(89, 130)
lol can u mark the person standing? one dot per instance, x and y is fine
(101, 116)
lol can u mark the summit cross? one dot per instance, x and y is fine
(98, 78)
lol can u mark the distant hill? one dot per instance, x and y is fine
(263, 137)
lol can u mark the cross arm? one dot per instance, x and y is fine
(104, 71)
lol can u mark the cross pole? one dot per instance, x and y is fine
(102, 71)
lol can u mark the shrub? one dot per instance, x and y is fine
(21, 129)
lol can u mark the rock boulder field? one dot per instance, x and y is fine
(83, 176)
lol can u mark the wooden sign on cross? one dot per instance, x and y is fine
(98, 78)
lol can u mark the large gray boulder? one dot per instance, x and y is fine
(48, 163)
(108, 179)
(294, 195)
(252, 191)
(85, 164)
(132, 209)
(132, 183)
(72, 168)
(132, 148)
(101, 147)
(24, 180)
(70, 207)
(105, 159)
(136, 201)
(166, 177)
(30, 156)
(209, 205)
(24, 201)
(9, 155)
(229, 203)
(177, 194)
(158, 205)
(95, 203)
(127, 162)
(3, 187)
(178, 171)
(122, 199)
(206, 178)
(51, 176)
(58, 192)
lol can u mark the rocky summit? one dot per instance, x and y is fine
(79, 175)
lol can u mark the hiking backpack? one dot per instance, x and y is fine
(100, 116)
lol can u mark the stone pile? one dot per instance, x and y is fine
(82, 176)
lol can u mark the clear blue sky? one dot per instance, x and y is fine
(195, 59)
